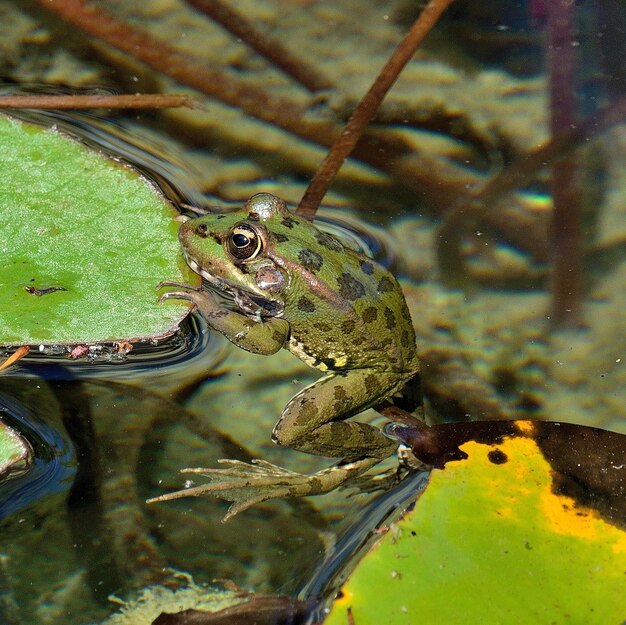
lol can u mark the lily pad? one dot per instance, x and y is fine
(84, 241)
(521, 523)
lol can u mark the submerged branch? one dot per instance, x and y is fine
(126, 101)
(565, 235)
(368, 107)
(269, 47)
(435, 178)
(186, 69)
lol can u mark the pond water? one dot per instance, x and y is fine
(494, 339)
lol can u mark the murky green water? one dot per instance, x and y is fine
(110, 433)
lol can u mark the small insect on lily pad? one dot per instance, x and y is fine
(84, 241)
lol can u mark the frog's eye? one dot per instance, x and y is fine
(244, 242)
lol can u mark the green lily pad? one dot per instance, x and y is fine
(84, 241)
(522, 523)
(16, 455)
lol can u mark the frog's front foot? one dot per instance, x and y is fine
(191, 293)
(247, 484)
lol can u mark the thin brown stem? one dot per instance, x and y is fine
(566, 236)
(419, 172)
(131, 101)
(187, 70)
(18, 354)
(269, 47)
(367, 107)
(521, 172)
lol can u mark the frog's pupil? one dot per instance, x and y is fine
(241, 240)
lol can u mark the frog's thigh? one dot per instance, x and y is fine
(313, 420)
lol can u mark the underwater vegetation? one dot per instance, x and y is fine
(490, 181)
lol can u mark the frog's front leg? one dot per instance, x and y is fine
(259, 337)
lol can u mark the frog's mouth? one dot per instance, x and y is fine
(249, 303)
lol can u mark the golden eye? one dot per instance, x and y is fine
(244, 242)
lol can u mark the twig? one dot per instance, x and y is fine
(187, 70)
(18, 354)
(270, 48)
(367, 108)
(566, 236)
(521, 172)
(432, 177)
(130, 101)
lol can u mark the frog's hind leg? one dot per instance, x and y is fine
(310, 423)
(314, 420)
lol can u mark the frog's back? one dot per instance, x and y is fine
(345, 310)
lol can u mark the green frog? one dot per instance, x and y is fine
(299, 288)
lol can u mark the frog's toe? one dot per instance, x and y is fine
(242, 484)
(175, 295)
(180, 285)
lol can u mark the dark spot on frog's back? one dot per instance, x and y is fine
(371, 383)
(306, 305)
(405, 339)
(349, 287)
(390, 318)
(280, 238)
(347, 326)
(323, 326)
(385, 285)
(328, 242)
(370, 314)
(367, 268)
(310, 260)
(289, 222)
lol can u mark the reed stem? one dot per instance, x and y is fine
(126, 101)
(367, 108)
(566, 235)
(269, 47)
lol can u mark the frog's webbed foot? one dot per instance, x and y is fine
(247, 484)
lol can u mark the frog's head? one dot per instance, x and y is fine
(236, 253)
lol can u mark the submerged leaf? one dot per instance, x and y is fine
(84, 241)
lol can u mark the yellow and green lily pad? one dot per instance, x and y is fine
(522, 523)
(84, 241)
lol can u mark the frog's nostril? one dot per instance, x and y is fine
(202, 230)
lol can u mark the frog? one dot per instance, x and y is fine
(297, 287)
